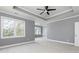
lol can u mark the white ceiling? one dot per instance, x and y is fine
(10, 10)
(59, 14)
(33, 9)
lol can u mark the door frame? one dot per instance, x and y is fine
(75, 35)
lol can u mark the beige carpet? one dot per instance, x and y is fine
(42, 46)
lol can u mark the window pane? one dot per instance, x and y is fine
(38, 30)
(7, 27)
(11, 28)
(20, 28)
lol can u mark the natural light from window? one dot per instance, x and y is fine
(11, 28)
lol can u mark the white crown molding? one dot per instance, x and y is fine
(26, 11)
(66, 11)
(8, 13)
(63, 19)
(49, 21)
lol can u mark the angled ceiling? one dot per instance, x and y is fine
(59, 9)
(60, 12)
(32, 12)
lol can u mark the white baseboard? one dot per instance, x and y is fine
(6, 46)
(60, 42)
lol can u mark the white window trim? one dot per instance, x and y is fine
(14, 30)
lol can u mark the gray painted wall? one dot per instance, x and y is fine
(29, 26)
(62, 30)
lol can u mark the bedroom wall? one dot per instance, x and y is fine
(29, 26)
(62, 30)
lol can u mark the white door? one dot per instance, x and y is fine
(76, 33)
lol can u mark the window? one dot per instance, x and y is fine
(12, 27)
(38, 31)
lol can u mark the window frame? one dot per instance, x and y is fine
(14, 36)
(41, 31)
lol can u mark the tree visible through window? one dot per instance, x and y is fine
(12, 27)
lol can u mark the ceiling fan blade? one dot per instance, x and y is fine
(51, 9)
(40, 9)
(48, 13)
(46, 7)
(41, 12)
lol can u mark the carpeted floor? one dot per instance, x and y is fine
(41, 46)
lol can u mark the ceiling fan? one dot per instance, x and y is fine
(46, 10)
